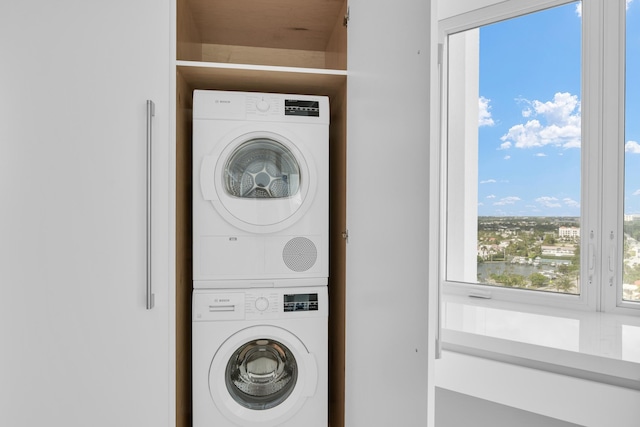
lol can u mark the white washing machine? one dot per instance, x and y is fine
(260, 357)
(260, 189)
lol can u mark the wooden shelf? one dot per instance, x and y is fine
(240, 77)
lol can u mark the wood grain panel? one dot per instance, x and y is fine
(337, 254)
(183, 253)
(262, 56)
(284, 24)
(188, 37)
(336, 51)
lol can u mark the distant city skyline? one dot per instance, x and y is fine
(530, 114)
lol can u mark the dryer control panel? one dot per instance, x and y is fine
(254, 106)
(265, 104)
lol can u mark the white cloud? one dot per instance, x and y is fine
(484, 116)
(505, 146)
(562, 118)
(572, 144)
(491, 196)
(559, 111)
(632, 147)
(507, 157)
(488, 181)
(628, 3)
(540, 155)
(548, 202)
(527, 113)
(507, 201)
(636, 193)
(570, 202)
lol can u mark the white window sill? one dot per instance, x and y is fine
(579, 367)
(588, 345)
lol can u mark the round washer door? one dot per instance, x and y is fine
(262, 376)
(260, 182)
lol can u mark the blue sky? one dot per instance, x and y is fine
(530, 94)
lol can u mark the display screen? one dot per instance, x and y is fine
(301, 302)
(294, 107)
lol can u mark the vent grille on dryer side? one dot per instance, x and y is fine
(300, 254)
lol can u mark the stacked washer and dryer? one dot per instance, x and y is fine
(260, 259)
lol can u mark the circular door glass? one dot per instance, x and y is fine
(262, 168)
(261, 374)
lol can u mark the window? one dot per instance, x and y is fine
(538, 205)
(631, 248)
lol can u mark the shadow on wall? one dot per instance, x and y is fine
(460, 410)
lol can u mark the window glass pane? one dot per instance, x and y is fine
(514, 156)
(631, 277)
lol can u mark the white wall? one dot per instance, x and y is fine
(449, 8)
(561, 397)
(482, 413)
(389, 351)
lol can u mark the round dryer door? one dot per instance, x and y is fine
(260, 182)
(262, 376)
(262, 169)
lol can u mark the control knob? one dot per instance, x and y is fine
(262, 304)
(263, 106)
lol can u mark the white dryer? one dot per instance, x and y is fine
(260, 189)
(260, 357)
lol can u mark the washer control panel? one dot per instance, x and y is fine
(263, 302)
(259, 303)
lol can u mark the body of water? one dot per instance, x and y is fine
(485, 269)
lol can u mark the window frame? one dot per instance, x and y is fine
(614, 81)
(602, 97)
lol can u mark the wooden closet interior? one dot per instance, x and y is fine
(281, 46)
